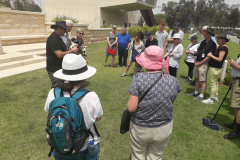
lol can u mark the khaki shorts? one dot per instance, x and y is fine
(235, 94)
(201, 72)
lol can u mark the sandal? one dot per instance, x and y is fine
(104, 65)
(111, 66)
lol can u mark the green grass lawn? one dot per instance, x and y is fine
(23, 120)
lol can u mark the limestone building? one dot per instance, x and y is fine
(99, 12)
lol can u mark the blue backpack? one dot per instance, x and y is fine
(66, 129)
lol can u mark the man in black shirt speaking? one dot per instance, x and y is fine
(201, 63)
(56, 50)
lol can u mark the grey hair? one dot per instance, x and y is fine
(123, 28)
(68, 21)
(79, 30)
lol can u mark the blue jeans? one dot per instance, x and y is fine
(122, 54)
(83, 155)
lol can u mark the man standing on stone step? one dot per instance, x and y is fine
(56, 50)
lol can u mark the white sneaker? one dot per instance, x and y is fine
(208, 101)
(123, 75)
(215, 98)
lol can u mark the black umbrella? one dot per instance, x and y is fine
(211, 123)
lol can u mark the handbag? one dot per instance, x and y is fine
(111, 51)
(135, 53)
(126, 116)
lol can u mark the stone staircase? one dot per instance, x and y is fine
(22, 58)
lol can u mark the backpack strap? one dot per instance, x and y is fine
(133, 45)
(79, 93)
(58, 92)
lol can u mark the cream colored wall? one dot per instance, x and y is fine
(89, 12)
(1, 49)
(13, 23)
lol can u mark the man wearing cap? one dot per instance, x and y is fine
(65, 38)
(124, 41)
(161, 35)
(56, 50)
(201, 63)
(169, 42)
(150, 40)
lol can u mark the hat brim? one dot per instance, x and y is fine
(53, 26)
(226, 39)
(146, 37)
(85, 75)
(145, 62)
(176, 27)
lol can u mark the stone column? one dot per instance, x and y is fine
(1, 50)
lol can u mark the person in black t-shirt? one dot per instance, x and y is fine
(56, 50)
(150, 40)
(201, 63)
(215, 66)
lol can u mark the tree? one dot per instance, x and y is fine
(234, 17)
(159, 18)
(170, 12)
(18, 5)
(140, 21)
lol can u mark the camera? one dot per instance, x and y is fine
(79, 44)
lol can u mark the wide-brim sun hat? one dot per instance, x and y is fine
(61, 24)
(176, 36)
(223, 36)
(152, 58)
(210, 31)
(74, 68)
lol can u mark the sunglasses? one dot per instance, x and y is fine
(81, 33)
(136, 38)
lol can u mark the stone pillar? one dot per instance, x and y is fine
(1, 50)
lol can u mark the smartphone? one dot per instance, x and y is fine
(229, 58)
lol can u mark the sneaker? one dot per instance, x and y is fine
(215, 98)
(198, 98)
(123, 75)
(124, 66)
(185, 78)
(208, 101)
(191, 84)
(193, 94)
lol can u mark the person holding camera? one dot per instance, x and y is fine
(56, 50)
(112, 39)
(215, 66)
(235, 100)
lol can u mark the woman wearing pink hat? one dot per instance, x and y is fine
(151, 121)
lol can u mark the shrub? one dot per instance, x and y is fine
(134, 29)
(63, 18)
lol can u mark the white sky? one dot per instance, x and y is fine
(159, 4)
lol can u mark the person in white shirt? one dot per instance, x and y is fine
(65, 38)
(174, 55)
(176, 30)
(191, 49)
(73, 74)
(139, 46)
(161, 35)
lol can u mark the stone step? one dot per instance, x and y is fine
(16, 57)
(22, 69)
(19, 63)
(23, 39)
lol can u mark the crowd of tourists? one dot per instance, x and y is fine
(151, 93)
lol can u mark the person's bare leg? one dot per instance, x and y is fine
(204, 85)
(237, 114)
(128, 66)
(106, 58)
(197, 84)
(113, 59)
(136, 68)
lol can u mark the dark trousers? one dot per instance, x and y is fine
(190, 68)
(55, 81)
(173, 71)
(122, 54)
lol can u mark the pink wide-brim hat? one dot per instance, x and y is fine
(152, 58)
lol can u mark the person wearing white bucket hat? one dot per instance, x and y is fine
(174, 54)
(73, 74)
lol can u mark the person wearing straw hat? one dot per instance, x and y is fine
(73, 74)
(151, 121)
(174, 54)
(201, 63)
(56, 50)
(215, 67)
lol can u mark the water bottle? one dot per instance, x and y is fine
(91, 148)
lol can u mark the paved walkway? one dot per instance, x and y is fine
(22, 58)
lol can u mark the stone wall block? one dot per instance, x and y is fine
(5, 26)
(26, 26)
